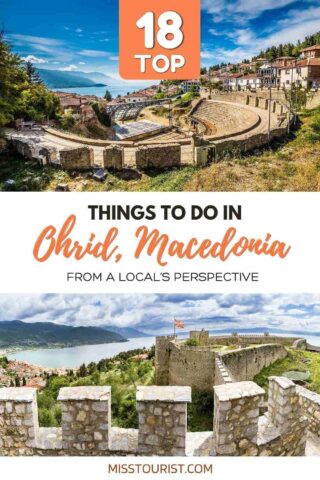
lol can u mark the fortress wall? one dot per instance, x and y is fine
(86, 419)
(245, 363)
(86, 422)
(162, 355)
(202, 336)
(18, 421)
(250, 339)
(222, 375)
(80, 158)
(162, 420)
(193, 366)
(241, 431)
(310, 404)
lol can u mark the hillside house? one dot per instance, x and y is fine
(135, 98)
(190, 84)
(303, 73)
(230, 82)
(310, 52)
(249, 82)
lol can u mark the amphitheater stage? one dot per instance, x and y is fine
(135, 130)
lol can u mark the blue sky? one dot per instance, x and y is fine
(153, 313)
(78, 35)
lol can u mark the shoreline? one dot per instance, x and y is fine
(13, 350)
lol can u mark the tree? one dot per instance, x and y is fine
(83, 370)
(108, 96)
(22, 94)
(32, 74)
(17, 381)
(24, 381)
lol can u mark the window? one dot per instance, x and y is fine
(287, 71)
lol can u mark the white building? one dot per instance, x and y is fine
(135, 98)
(249, 82)
(190, 84)
(304, 73)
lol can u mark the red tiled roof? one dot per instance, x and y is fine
(314, 47)
(311, 62)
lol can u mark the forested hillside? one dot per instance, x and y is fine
(22, 92)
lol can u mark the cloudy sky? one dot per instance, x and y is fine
(154, 313)
(77, 35)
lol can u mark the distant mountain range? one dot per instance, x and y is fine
(46, 334)
(127, 332)
(62, 79)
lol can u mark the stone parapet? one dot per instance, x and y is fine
(18, 420)
(162, 420)
(86, 419)
(310, 405)
(236, 415)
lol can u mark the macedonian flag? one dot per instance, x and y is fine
(178, 323)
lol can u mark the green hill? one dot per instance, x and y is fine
(59, 79)
(14, 334)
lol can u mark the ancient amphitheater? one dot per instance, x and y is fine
(215, 128)
(245, 421)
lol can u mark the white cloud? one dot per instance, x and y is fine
(247, 43)
(114, 58)
(82, 63)
(206, 55)
(153, 313)
(36, 40)
(33, 59)
(69, 68)
(92, 53)
(79, 30)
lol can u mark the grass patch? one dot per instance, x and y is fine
(290, 165)
(298, 360)
(200, 412)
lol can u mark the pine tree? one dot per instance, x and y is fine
(32, 74)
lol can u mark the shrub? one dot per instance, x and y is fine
(192, 342)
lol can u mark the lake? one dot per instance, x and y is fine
(115, 90)
(74, 356)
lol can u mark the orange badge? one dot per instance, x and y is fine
(159, 39)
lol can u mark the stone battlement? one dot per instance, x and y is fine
(179, 364)
(238, 429)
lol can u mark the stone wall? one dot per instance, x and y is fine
(162, 359)
(241, 431)
(86, 430)
(243, 340)
(86, 419)
(180, 364)
(18, 421)
(113, 157)
(81, 158)
(283, 429)
(193, 366)
(310, 404)
(26, 148)
(158, 156)
(244, 364)
(163, 420)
